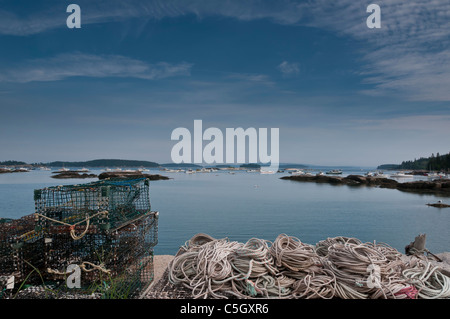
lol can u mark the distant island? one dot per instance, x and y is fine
(103, 163)
(12, 163)
(433, 163)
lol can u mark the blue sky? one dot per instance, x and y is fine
(339, 92)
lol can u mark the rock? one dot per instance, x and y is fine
(131, 175)
(72, 174)
(356, 178)
(439, 205)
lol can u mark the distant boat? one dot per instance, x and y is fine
(264, 171)
(402, 175)
(437, 175)
(43, 168)
(63, 169)
(376, 174)
(433, 175)
(83, 170)
(335, 172)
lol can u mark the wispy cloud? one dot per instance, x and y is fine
(282, 11)
(87, 65)
(409, 55)
(252, 78)
(289, 68)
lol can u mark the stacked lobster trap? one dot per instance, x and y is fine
(84, 240)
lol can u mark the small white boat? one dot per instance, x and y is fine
(376, 174)
(432, 175)
(402, 175)
(63, 169)
(83, 170)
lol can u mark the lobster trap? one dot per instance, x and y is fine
(122, 256)
(110, 202)
(91, 238)
(21, 251)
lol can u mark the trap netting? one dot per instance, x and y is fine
(107, 203)
(21, 251)
(84, 239)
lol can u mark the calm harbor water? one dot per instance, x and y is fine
(245, 205)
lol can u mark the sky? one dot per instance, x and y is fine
(339, 92)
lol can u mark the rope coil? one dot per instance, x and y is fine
(287, 268)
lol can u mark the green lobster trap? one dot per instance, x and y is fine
(21, 251)
(107, 203)
(90, 238)
(120, 257)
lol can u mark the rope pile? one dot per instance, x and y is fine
(337, 267)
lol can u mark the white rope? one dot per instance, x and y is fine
(287, 268)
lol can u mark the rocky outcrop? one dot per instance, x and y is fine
(73, 174)
(439, 205)
(131, 175)
(437, 186)
(4, 170)
(106, 175)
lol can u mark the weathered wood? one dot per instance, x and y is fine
(416, 246)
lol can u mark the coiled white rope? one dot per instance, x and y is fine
(287, 268)
(431, 283)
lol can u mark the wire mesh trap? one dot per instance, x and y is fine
(87, 240)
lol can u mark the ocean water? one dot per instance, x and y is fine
(244, 205)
